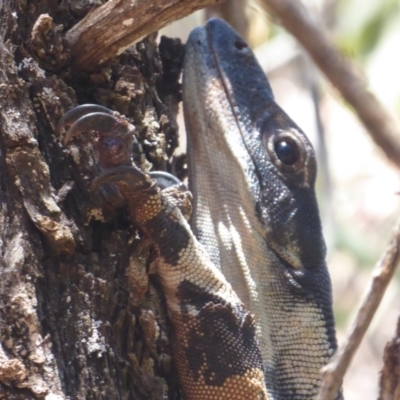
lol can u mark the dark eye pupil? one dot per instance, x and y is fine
(287, 152)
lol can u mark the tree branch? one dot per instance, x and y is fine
(390, 375)
(233, 12)
(333, 373)
(108, 30)
(340, 71)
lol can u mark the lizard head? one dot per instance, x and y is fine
(252, 172)
(278, 161)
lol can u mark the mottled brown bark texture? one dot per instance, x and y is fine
(79, 316)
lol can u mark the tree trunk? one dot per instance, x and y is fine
(79, 316)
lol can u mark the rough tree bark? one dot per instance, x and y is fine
(79, 316)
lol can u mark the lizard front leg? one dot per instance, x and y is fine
(214, 339)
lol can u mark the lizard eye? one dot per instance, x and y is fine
(287, 151)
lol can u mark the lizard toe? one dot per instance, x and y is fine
(70, 117)
(129, 179)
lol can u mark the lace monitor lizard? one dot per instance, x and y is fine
(246, 284)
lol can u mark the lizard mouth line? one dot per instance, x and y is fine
(229, 96)
(228, 93)
(227, 84)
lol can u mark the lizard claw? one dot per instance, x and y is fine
(166, 180)
(115, 134)
(97, 121)
(129, 179)
(73, 115)
(175, 191)
(134, 184)
(114, 144)
(102, 122)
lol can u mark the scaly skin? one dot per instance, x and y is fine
(214, 342)
(252, 172)
(205, 312)
(257, 215)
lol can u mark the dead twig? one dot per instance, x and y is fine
(333, 373)
(109, 29)
(306, 27)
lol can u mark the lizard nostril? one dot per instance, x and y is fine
(199, 42)
(240, 44)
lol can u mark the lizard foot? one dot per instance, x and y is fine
(115, 139)
(114, 145)
(142, 193)
(175, 191)
(134, 184)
